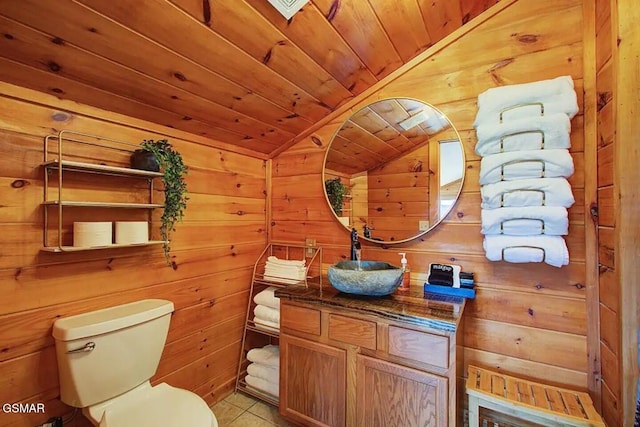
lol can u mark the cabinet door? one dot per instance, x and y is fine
(312, 382)
(394, 395)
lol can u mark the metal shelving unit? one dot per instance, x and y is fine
(61, 166)
(259, 335)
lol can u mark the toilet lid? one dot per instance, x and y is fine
(161, 405)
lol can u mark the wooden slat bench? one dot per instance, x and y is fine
(528, 400)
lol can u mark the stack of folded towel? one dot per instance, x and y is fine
(284, 270)
(266, 313)
(524, 139)
(263, 373)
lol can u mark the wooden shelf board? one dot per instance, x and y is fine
(58, 249)
(265, 330)
(72, 203)
(90, 167)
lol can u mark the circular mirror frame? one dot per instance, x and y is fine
(420, 233)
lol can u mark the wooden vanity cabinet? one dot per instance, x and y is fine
(339, 367)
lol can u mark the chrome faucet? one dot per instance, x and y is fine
(355, 246)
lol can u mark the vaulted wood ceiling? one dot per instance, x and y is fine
(232, 70)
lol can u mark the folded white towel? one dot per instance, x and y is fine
(267, 297)
(263, 385)
(519, 249)
(267, 355)
(277, 261)
(558, 96)
(525, 221)
(267, 373)
(525, 164)
(267, 313)
(527, 192)
(524, 134)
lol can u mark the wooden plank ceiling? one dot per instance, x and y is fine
(235, 71)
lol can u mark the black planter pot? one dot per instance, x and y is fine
(144, 160)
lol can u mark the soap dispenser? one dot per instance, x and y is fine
(406, 273)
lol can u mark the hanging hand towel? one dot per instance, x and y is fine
(519, 249)
(531, 133)
(557, 95)
(525, 221)
(525, 164)
(527, 192)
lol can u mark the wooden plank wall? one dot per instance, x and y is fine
(213, 250)
(396, 208)
(527, 319)
(609, 284)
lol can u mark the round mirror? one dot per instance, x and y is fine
(394, 170)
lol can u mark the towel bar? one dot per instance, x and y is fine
(513, 107)
(522, 133)
(543, 194)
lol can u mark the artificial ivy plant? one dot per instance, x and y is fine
(175, 187)
(336, 191)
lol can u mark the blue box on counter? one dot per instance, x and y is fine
(447, 290)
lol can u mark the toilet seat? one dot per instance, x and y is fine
(160, 405)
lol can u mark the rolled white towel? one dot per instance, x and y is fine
(527, 192)
(267, 297)
(263, 385)
(267, 313)
(558, 96)
(519, 249)
(524, 134)
(525, 164)
(266, 372)
(285, 262)
(267, 355)
(525, 221)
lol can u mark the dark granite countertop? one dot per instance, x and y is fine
(412, 307)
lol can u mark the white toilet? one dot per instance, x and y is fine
(105, 360)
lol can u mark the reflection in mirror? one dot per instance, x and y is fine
(402, 165)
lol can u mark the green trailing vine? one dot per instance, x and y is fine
(336, 191)
(175, 187)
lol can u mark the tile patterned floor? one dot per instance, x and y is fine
(241, 410)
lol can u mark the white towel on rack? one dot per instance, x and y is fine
(518, 249)
(287, 275)
(267, 297)
(267, 373)
(285, 262)
(269, 314)
(525, 221)
(524, 134)
(525, 164)
(267, 355)
(527, 192)
(263, 385)
(558, 96)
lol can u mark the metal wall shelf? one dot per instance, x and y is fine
(62, 166)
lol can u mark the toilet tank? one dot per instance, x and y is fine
(107, 352)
